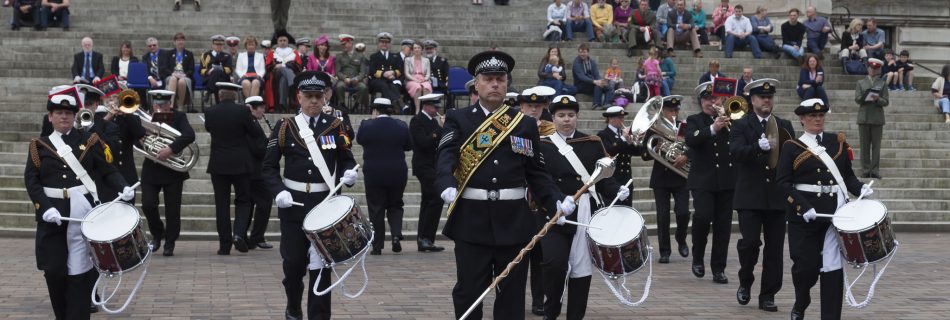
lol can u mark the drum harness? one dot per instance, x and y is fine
(623, 292)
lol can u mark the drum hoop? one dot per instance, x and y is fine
(335, 222)
(876, 223)
(645, 241)
(138, 223)
(601, 210)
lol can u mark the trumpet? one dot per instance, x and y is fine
(85, 119)
(734, 108)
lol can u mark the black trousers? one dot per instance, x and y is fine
(294, 247)
(430, 209)
(771, 225)
(680, 197)
(715, 209)
(172, 193)
(260, 205)
(805, 242)
(387, 88)
(534, 265)
(385, 203)
(557, 248)
(222, 184)
(476, 265)
(69, 295)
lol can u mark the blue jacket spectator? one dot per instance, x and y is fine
(669, 74)
(587, 79)
(25, 12)
(761, 29)
(874, 40)
(817, 29)
(811, 80)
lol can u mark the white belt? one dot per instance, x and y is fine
(308, 187)
(63, 193)
(816, 188)
(493, 195)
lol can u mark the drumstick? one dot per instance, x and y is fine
(831, 216)
(74, 219)
(864, 194)
(582, 225)
(296, 203)
(338, 186)
(612, 203)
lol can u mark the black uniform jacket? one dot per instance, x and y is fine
(440, 70)
(230, 125)
(167, 61)
(623, 150)
(157, 174)
(130, 132)
(385, 141)
(755, 180)
(711, 167)
(425, 134)
(494, 223)
(797, 165)
(285, 141)
(588, 149)
(44, 168)
(379, 64)
(209, 60)
(258, 146)
(661, 176)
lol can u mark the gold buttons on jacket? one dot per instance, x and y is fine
(64, 176)
(309, 171)
(767, 180)
(496, 162)
(494, 180)
(766, 167)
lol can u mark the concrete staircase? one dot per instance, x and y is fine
(915, 155)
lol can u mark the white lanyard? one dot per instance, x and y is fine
(568, 152)
(66, 152)
(314, 150)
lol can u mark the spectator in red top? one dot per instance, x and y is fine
(720, 14)
(281, 64)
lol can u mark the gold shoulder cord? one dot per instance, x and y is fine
(34, 153)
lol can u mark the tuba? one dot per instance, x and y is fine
(664, 145)
(158, 136)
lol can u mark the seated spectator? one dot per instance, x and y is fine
(663, 15)
(322, 60)
(739, 33)
(652, 74)
(874, 40)
(151, 62)
(641, 91)
(622, 14)
(642, 28)
(905, 72)
(578, 19)
(418, 75)
(177, 68)
(602, 17)
(761, 30)
(889, 70)
(817, 29)
(120, 63)
(557, 22)
(250, 68)
(941, 92)
(233, 42)
(681, 29)
(87, 64)
(551, 72)
(178, 5)
(614, 75)
(792, 34)
(385, 69)
(668, 69)
(216, 65)
(852, 42)
(56, 13)
(588, 79)
(440, 66)
(281, 65)
(699, 21)
(303, 49)
(722, 12)
(712, 73)
(811, 80)
(744, 80)
(350, 72)
(405, 49)
(26, 12)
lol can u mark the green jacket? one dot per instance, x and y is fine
(871, 112)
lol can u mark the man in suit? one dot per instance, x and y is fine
(426, 131)
(156, 177)
(803, 182)
(57, 189)
(87, 64)
(385, 69)
(491, 222)
(620, 144)
(667, 183)
(216, 64)
(711, 180)
(231, 127)
(261, 200)
(871, 97)
(177, 68)
(642, 22)
(759, 204)
(150, 58)
(682, 29)
(307, 180)
(350, 72)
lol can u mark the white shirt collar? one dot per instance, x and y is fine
(382, 115)
(568, 137)
(426, 114)
(815, 135)
(614, 129)
(763, 119)
(485, 110)
(62, 134)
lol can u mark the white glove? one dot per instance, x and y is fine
(127, 194)
(810, 215)
(284, 199)
(567, 206)
(560, 221)
(764, 143)
(623, 193)
(866, 190)
(448, 195)
(52, 216)
(349, 177)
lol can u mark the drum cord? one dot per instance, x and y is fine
(339, 280)
(128, 300)
(850, 297)
(622, 296)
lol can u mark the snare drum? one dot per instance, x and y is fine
(338, 230)
(115, 238)
(617, 240)
(865, 235)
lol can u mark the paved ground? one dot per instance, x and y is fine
(197, 284)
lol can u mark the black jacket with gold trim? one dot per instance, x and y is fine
(710, 162)
(797, 165)
(755, 180)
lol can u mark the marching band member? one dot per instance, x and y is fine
(130, 133)
(570, 156)
(711, 180)
(620, 144)
(317, 156)
(760, 205)
(260, 198)
(667, 183)
(159, 178)
(813, 173)
(56, 180)
(425, 130)
(490, 221)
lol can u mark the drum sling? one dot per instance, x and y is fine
(315, 155)
(579, 264)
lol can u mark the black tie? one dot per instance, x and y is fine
(764, 123)
(818, 138)
(313, 123)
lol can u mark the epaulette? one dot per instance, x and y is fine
(801, 156)
(282, 132)
(93, 138)
(336, 123)
(34, 153)
(546, 128)
(840, 145)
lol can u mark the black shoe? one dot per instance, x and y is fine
(240, 244)
(155, 243)
(425, 245)
(263, 245)
(224, 252)
(684, 250)
(720, 277)
(876, 176)
(375, 252)
(538, 310)
(699, 270)
(169, 249)
(177, 6)
(630, 52)
(665, 259)
(768, 305)
(197, 6)
(293, 314)
(14, 28)
(797, 315)
(743, 296)
(93, 308)
(66, 29)
(866, 175)
(396, 246)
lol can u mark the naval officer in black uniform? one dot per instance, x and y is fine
(385, 69)
(711, 180)
(667, 184)
(425, 129)
(261, 200)
(759, 204)
(303, 181)
(130, 133)
(619, 143)
(491, 221)
(808, 186)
